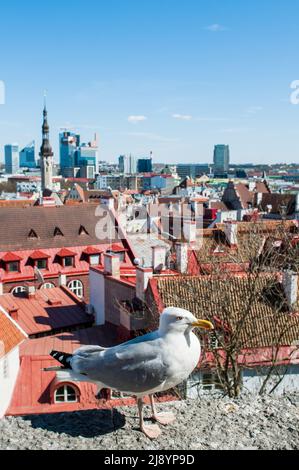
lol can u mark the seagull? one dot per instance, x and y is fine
(144, 366)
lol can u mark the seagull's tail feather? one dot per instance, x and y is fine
(63, 358)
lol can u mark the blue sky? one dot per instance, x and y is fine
(169, 76)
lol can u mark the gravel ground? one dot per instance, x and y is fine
(210, 423)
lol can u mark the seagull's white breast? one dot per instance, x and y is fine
(184, 354)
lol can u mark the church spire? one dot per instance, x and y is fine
(46, 153)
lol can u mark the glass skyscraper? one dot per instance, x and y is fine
(221, 159)
(73, 155)
(68, 145)
(27, 156)
(11, 158)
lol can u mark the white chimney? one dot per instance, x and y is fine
(182, 257)
(62, 280)
(259, 198)
(290, 284)
(111, 265)
(189, 229)
(231, 232)
(1, 288)
(143, 276)
(297, 203)
(159, 258)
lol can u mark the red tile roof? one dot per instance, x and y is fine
(39, 255)
(34, 386)
(81, 264)
(10, 334)
(90, 250)
(50, 310)
(10, 257)
(65, 252)
(117, 248)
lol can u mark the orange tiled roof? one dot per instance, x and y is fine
(10, 335)
(227, 299)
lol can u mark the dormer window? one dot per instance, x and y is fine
(83, 231)
(66, 258)
(58, 232)
(11, 262)
(32, 234)
(40, 260)
(68, 261)
(93, 256)
(118, 250)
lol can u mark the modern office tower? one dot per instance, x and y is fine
(11, 158)
(73, 154)
(127, 165)
(145, 165)
(193, 170)
(68, 144)
(46, 155)
(221, 159)
(27, 156)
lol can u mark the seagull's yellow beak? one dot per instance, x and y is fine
(203, 324)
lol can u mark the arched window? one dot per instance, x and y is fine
(48, 285)
(18, 290)
(66, 394)
(77, 288)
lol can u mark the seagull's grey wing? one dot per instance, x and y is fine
(132, 368)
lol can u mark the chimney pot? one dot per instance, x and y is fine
(112, 265)
(290, 284)
(143, 277)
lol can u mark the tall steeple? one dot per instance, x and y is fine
(46, 154)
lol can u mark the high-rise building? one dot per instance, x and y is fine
(68, 145)
(145, 165)
(46, 155)
(27, 156)
(127, 164)
(73, 154)
(221, 159)
(11, 158)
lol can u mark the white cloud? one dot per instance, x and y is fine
(182, 117)
(136, 119)
(216, 28)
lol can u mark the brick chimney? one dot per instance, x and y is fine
(143, 276)
(159, 258)
(290, 284)
(231, 232)
(111, 265)
(182, 257)
(30, 292)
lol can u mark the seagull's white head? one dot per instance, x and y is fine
(181, 321)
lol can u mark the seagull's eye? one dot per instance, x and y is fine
(179, 318)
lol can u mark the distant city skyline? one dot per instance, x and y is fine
(168, 77)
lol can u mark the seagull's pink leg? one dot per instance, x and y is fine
(152, 431)
(162, 418)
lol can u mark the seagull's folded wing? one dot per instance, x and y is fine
(131, 368)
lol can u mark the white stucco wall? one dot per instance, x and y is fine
(9, 369)
(252, 382)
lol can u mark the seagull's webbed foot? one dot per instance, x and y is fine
(152, 431)
(164, 418)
